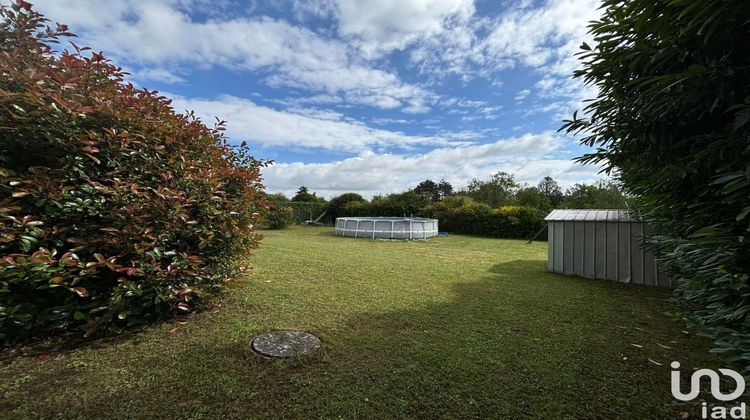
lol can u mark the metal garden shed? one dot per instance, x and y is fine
(601, 244)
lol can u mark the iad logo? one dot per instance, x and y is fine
(716, 412)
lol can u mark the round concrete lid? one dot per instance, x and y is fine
(285, 344)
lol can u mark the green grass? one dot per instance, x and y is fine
(452, 327)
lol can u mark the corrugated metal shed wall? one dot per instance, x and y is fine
(601, 244)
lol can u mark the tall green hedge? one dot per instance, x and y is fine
(672, 121)
(460, 214)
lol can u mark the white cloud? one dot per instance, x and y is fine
(545, 36)
(379, 27)
(156, 74)
(306, 128)
(521, 95)
(529, 157)
(161, 35)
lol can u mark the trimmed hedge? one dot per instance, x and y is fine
(460, 214)
(392, 205)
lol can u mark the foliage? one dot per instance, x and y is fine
(551, 189)
(534, 198)
(402, 204)
(435, 191)
(303, 211)
(114, 209)
(277, 198)
(497, 191)
(336, 205)
(278, 217)
(602, 195)
(303, 195)
(672, 121)
(461, 214)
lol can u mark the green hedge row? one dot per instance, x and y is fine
(402, 204)
(463, 215)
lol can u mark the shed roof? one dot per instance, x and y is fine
(593, 215)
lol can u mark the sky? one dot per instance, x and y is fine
(370, 96)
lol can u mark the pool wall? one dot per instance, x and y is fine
(386, 227)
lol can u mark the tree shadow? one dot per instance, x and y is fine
(517, 342)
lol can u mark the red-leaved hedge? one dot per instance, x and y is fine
(114, 209)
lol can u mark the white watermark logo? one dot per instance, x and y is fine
(716, 412)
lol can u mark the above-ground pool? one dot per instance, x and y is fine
(386, 227)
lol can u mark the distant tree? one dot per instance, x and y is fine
(533, 197)
(602, 195)
(405, 203)
(444, 188)
(551, 189)
(497, 191)
(305, 196)
(435, 191)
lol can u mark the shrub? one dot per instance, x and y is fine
(401, 204)
(304, 210)
(278, 217)
(114, 209)
(672, 120)
(461, 214)
(336, 205)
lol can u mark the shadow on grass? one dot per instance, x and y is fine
(518, 342)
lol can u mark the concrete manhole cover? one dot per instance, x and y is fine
(285, 344)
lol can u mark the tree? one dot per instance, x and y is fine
(672, 122)
(444, 188)
(434, 191)
(532, 197)
(496, 191)
(551, 189)
(303, 195)
(602, 195)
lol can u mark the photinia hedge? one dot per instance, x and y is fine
(114, 209)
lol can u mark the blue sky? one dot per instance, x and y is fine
(368, 96)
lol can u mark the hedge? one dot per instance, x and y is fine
(460, 214)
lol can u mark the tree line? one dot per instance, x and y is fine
(500, 189)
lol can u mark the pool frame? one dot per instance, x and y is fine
(386, 227)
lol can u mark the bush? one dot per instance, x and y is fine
(114, 209)
(461, 214)
(393, 205)
(304, 210)
(336, 205)
(672, 120)
(278, 217)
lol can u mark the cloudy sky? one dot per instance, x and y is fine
(361, 95)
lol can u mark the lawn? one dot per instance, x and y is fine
(456, 326)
